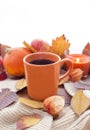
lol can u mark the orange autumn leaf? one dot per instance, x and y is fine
(27, 121)
(59, 45)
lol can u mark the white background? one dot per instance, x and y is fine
(45, 19)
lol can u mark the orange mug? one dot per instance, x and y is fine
(42, 71)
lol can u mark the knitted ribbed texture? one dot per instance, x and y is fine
(10, 115)
(67, 120)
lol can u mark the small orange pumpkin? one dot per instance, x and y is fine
(13, 61)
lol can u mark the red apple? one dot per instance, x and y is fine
(40, 45)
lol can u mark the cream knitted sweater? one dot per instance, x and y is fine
(67, 120)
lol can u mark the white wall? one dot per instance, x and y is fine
(46, 19)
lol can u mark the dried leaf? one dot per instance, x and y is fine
(21, 84)
(3, 49)
(86, 49)
(29, 47)
(81, 85)
(60, 45)
(80, 102)
(27, 121)
(7, 97)
(31, 103)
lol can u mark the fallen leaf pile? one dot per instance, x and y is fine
(54, 104)
(80, 103)
(7, 97)
(27, 121)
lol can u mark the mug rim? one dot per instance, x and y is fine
(50, 53)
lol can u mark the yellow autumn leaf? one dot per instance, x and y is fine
(80, 102)
(31, 103)
(27, 121)
(59, 45)
(30, 48)
(21, 84)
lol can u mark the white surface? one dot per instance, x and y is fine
(86, 93)
(8, 83)
(46, 19)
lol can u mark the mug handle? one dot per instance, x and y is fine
(69, 69)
